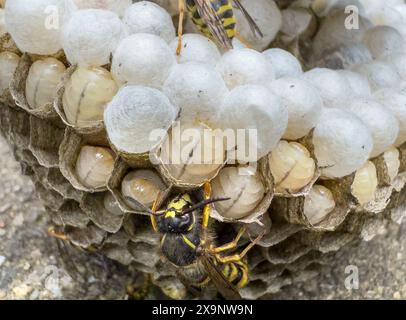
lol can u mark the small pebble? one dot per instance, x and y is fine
(4, 208)
(2, 259)
(21, 291)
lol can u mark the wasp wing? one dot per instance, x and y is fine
(253, 25)
(68, 261)
(224, 286)
(214, 23)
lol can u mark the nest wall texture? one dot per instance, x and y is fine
(47, 145)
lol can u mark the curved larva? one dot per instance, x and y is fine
(243, 186)
(94, 166)
(142, 186)
(86, 95)
(318, 204)
(291, 166)
(42, 80)
(365, 183)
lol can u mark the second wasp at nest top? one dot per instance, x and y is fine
(216, 20)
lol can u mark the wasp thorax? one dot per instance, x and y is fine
(86, 94)
(94, 166)
(365, 183)
(291, 166)
(8, 65)
(111, 205)
(42, 80)
(192, 154)
(392, 161)
(318, 204)
(244, 187)
(143, 186)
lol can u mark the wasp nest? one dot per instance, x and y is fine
(104, 117)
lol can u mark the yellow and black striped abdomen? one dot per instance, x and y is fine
(236, 273)
(224, 11)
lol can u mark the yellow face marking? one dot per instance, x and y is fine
(179, 203)
(170, 214)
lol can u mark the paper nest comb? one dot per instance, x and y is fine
(87, 196)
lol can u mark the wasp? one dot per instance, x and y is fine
(215, 19)
(188, 245)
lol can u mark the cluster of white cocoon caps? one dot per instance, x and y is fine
(34, 26)
(356, 114)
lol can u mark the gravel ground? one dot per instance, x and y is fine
(31, 266)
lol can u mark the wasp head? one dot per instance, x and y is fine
(175, 220)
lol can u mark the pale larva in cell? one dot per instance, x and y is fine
(142, 186)
(94, 166)
(291, 166)
(42, 80)
(318, 204)
(392, 161)
(243, 186)
(86, 94)
(365, 183)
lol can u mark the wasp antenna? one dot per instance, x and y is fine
(202, 204)
(144, 207)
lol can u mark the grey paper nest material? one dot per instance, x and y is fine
(288, 253)
(101, 216)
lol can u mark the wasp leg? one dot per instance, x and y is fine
(57, 235)
(153, 209)
(243, 40)
(180, 26)
(239, 256)
(206, 211)
(231, 245)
